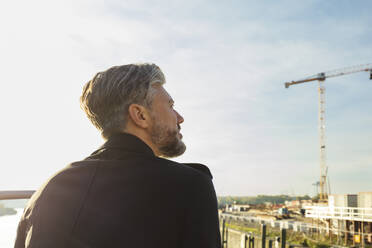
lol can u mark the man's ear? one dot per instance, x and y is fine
(139, 115)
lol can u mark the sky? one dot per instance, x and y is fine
(225, 63)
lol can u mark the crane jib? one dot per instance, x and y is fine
(335, 73)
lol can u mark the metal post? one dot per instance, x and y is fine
(263, 235)
(270, 244)
(338, 231)
(353, 233)
(227, 236)
(223, 233)
(283, 238)
(317, 221)
(347, 228)
(362, 233)
(252, 242)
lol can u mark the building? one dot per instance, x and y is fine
(237, 207)
(347, 215)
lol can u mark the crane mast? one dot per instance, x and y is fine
(323, 193)
(321, 77)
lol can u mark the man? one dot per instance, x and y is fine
(126, 194)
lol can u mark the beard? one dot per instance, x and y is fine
(166, 140)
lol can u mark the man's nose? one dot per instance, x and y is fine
(179, 118)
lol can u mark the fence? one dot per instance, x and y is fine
(232, 238)
(340, 213)
(250, 232)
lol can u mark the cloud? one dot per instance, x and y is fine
(225, 65)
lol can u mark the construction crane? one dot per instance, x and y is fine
(321, 77)
(316, 184)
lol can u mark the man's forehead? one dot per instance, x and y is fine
(164, 93)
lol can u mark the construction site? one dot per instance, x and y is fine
(346, 215)
(343, 220)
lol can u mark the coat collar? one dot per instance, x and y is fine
(126, 142)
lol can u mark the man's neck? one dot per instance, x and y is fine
(143, 135)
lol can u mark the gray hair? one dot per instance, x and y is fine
(107, 97)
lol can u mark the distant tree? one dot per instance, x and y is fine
(259, 199)
(315, 198)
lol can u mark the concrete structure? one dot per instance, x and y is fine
(365, 199)
(343, 200)
(347, 215)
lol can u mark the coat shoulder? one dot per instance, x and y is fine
(193, 168)
(201, 168)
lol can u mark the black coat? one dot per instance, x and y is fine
(123, 196)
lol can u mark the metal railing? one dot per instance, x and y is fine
(16, 194)
(340, 213)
